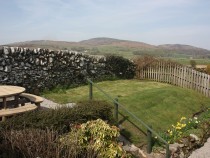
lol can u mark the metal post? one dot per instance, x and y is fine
(167, 151)
(149, 139)
(90, 91)
(116, 110)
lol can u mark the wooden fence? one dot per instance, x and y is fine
(181, 76)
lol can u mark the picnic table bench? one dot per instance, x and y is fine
(32, 98)
(18, 110)
(13, 101)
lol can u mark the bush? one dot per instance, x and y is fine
(96, 136)
(61, 119)
(193, 64)
(147, 60)
(40, 143)
(94, 139)
(208, 69)
(120, 67)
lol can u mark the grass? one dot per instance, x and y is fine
(186, 61)
(129, 52)
(157, 104)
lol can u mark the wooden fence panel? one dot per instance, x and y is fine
(177, 75)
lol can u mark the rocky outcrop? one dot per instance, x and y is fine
(38, 69)
(185, 147)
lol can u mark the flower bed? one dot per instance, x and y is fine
(188, 134)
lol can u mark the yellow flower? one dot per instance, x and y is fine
(183, 125)
(183, 118)
(178, 124)
(178, 127)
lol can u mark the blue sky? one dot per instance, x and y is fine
(150, 21)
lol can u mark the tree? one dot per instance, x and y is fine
(193, 63)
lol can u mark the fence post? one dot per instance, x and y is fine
(149, 139)
(167, 151)
(116, 110)
(90, 91)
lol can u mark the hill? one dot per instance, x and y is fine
(184, 48)
(115, 42)
(129, 49)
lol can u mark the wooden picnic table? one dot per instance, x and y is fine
(7, 91)
(12, 96)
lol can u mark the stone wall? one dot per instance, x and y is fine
(38, 69)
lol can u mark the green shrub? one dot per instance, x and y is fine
(61, 118)
(97, 136)
(120, 67)
(193, 63)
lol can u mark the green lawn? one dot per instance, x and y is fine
(186, 61)
(157, 104)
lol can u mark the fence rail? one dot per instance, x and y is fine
(150, 131)
(181, 76)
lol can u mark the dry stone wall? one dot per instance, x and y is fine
(38, 69)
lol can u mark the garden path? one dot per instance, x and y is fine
(50, 104)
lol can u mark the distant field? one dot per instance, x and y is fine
(132, 53)
(186, 61)
(158, 104)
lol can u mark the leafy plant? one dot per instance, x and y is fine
(181, 127)
(121, 67)
(97, 136)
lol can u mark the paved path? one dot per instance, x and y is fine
(203, 152)
(50, 104)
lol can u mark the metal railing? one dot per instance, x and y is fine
(150, 131)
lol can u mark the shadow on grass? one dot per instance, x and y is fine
(132, 131)
(126, 118)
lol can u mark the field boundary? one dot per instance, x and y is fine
(178, 75)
